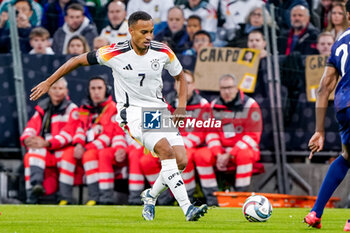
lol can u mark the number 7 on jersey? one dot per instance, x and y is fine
(143, 76)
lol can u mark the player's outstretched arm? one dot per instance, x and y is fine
(327, 85)
(180, 112)
(67, 67)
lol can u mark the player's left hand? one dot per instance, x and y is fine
(179, 115)
(39, 90)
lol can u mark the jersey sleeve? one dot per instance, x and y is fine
(173, 65)
(104, 54)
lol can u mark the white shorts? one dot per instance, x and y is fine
(130, 119)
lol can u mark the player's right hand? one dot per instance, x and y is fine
(316, 143)
(39, 90)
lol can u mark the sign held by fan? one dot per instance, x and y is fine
(212, 63)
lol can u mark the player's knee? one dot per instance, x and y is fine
(165, 152)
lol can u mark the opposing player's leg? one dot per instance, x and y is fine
(335, 175)
(347, 225)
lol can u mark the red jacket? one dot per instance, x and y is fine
(118, 139)
(241, 124)
(96, 127)
(60, 126)
(196, 107)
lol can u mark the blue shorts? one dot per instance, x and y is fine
(343, 117)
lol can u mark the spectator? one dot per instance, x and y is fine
(322, 9)
(205, 11)
(117, 30)
(75, 24)
(302, 36)
(34, 12)
(54, 13)
(283, 10)
(175, 34)
(337, 21)
(48, 133)
(93, 134)
(238, 12)
(100, 41)
(77, 45)
(236, 146)
(110, 159)
(194, 24)
(39, 41)
(324, 43)
(200, 39)
(158, 9)
(256, 40)
(23, 8)
(255, 20)
(98, 10)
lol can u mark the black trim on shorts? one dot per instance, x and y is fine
(123, 116)
(91, 57)
(126, 100)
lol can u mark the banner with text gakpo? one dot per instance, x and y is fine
(212, 63)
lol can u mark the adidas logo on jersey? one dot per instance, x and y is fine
(128, 67)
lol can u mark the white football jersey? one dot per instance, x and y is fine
(206, 12)
(116, 36)
(138, 79)
(236, 12)
(158, 9)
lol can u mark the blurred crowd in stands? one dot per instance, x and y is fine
(76, 26)
(59, 159)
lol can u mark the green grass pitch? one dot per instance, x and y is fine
(37, 219)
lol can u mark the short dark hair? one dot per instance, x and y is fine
(138, 15)
(75, 6)
(258, 31)
(347, 6)
(202, 32)
(98, 78)
(195, 17)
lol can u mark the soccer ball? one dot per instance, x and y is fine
(257, 208)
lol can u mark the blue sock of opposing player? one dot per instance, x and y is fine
(335, 175)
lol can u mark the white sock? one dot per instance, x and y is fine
(172, 177)
(159, 186)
